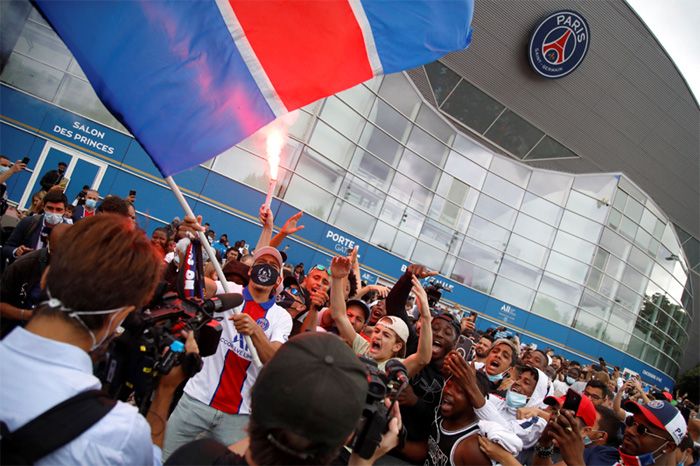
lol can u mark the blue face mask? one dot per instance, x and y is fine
(495, 378)
(3, 169)
(587, 440)
(515, 400)
(91, 203)
(570, 380)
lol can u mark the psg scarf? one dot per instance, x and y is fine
(190, 283)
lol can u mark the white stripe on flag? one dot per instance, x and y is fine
(257, 71)
(370, 46)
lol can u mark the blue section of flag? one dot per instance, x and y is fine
(169, 71)
(411, 33)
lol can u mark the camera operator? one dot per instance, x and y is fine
(49, 361)
(216, 401)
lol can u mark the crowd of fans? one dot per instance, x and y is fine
(75, 272)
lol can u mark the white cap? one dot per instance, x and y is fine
(397, 325)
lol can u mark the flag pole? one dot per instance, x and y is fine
(212, 256)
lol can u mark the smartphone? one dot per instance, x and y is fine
(26, 160)
(465, 348)
(572, 401)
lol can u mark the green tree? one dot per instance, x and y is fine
(689, 383)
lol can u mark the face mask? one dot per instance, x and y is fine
(91, 203)
(264, 274)
(587, 440)
(570, 380)
(53, 219)
(495, 378)
(3, 169)
(515, 400)
(645, 459)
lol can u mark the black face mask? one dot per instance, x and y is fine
(264, 274)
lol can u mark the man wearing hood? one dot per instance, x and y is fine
(529, 389)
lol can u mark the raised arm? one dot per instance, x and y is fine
(340, 268)
(417, 361)
(289, 228)
(16, 168)
(267, 220)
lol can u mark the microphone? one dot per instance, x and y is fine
(222, 302)
(395, 370)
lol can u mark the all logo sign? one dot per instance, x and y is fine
(559, 44)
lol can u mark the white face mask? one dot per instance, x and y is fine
(53, 219)
(55, 303)
(3, 169)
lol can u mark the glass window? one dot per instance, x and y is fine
(541, 209)
(640, 261)
(442, 79)
(419, 169)
(481, 255)
(411, 192)
(465, 170)
(548, 148)
(319, 170)
(550, 185)
(301, 125)
(511, 171)
(503, 190)
(595, 278)
(628, 298)
(370, 168)
(472, 150)
(632, 190)
(473, 276)
(332, 144)
(359, 98)
(587, 206)
(383, 235)
(380, 144)
(441, 236)
(362, 194)
(620, 200)
(391, 121)
(628, 228)
(353, 220)
(488, 233)
(561, 289)
(430, 256)
(495, 211)
(596, 305)
(580, 226)
(567, 267)
(512, 293)
(648, 221)
(243, 166)
(396, 90)
(622, 319)
(453, 189)
(635, 346)
(472, 107)
(598, 187)
(342, 118)
(643, 239)
(526, 250)
(514, 134)
(308, 197)
(435, 125)
(589, 324)
(573, 246)
(614, 219)
(615, 337)
(447, 265)
(534, 230)
(424, 144)
(634, 210)
(401, 215)
(444, 212)
(31, 76)
(42, 44)
(520, 272)
(77, 95)
(615, 243)
(553, 309)
(403, 244)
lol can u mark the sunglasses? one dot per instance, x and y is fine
(321, 268)
(642, 429)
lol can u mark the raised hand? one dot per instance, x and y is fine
(341, 266)
(265, 216)
(421, 297)
(290, 226)
(420, 271)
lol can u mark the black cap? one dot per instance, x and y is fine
(315, 387)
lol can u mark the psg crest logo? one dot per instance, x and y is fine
(559, 44)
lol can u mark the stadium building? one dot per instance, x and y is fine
(565, 208)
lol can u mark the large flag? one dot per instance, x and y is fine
(191, 78)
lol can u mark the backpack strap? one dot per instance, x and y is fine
(54, 428)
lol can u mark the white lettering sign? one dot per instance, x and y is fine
(85, 135)
(342, 244)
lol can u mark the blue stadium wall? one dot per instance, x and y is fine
(28, 125)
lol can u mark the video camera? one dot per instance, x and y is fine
(434, 292)
(153, 343)
(374, 421)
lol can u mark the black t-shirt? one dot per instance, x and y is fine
(600, 455)
(427, 385)
(204, 451)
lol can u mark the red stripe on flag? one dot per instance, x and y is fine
(309, 49)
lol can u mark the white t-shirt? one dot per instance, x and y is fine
(225, 381)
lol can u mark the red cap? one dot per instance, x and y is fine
(586, 409)
(668, 396)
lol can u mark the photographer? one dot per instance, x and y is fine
(49, 361)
